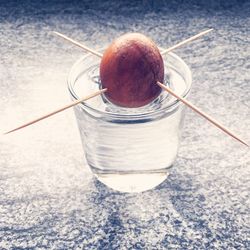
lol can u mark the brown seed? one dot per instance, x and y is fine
(129, 69)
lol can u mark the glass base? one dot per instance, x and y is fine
(132, 183)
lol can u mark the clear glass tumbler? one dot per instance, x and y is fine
(129, 149)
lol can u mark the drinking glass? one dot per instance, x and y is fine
(129, 149)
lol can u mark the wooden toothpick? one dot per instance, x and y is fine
(78, 44)
(58, 110)
(190, 39)
(203, 114)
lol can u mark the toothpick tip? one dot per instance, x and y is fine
(207, 31)
(5, 133)
(56, 33)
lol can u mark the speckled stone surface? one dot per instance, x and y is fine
(48, 197)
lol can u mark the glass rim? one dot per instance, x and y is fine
(170, 106)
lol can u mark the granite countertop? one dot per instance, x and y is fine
(48, 196)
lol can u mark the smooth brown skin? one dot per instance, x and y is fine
(129, 69)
